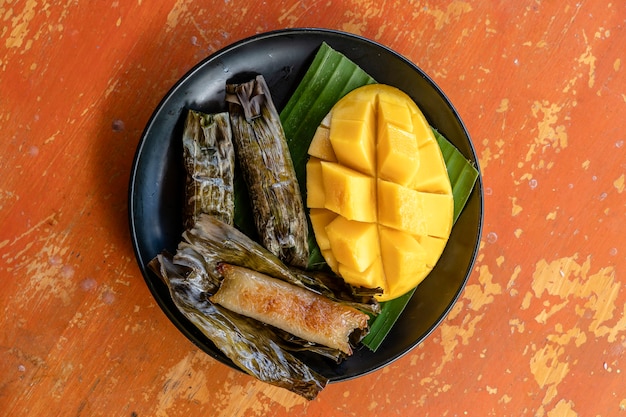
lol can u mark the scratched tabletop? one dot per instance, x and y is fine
(540, 328)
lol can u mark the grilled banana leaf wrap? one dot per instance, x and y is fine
(209, 159)
(268, 171)
(252, 347)
(192, 276)
(211, 242)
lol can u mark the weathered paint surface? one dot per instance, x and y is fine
(540, 329)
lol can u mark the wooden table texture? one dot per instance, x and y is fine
(540, 329)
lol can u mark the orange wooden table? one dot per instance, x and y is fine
(540, 329)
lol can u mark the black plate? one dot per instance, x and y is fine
(156, 183)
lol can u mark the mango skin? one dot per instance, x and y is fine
(382, 202)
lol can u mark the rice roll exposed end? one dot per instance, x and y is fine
(296, 310)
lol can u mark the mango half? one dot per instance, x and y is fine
(378, 191)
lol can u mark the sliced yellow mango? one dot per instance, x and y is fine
(354, 244)
(315, 195)
(421, 128)
(395, 111)
(438, 210)
(370, 278)
(433, 246)
(359, 108)
(404, 260)
(401, 208)
(384, 179)
(320, 146)
(330, 259)
(352, 135)
(398, 156)
(431, 176)
(320, 218)
(348, 192)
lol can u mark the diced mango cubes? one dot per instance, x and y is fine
(395, 111)
(352, 135)
(378, 191)
(401, 208)
(370, 278)
(429, 177)
(404, 260)
(398, 156)
(438, 210)
(320, 218)
(315, 195)
(320, 146)
(354, 244)
(330, 259)
(433, 246)
(348, 192)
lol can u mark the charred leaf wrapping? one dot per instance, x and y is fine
(268, 171)
(254, 348)
(209, 160)
(211, 241)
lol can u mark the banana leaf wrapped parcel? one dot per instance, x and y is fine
(265, 161)
(211, 250)
(209, 159)
(253, 348)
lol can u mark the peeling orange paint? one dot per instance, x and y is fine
(516, 271)
(176, 14)
(549, 133)
(563, 409)
(482, 293)
(544, 315)
(190, 377)
(516, 208)
(587, 58)
(485, 158)
(551, 215)
(288, 15)
(19, 23)
(526, 301)
(43, 262)
(450, 335)
(504, 106)
(8, 197)
(505, 399)
(549, 368)
(452, 11)
(179, 379)
(564, 337)
(563, 278)
(619, 184)
(576, 291)
(517, 325)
